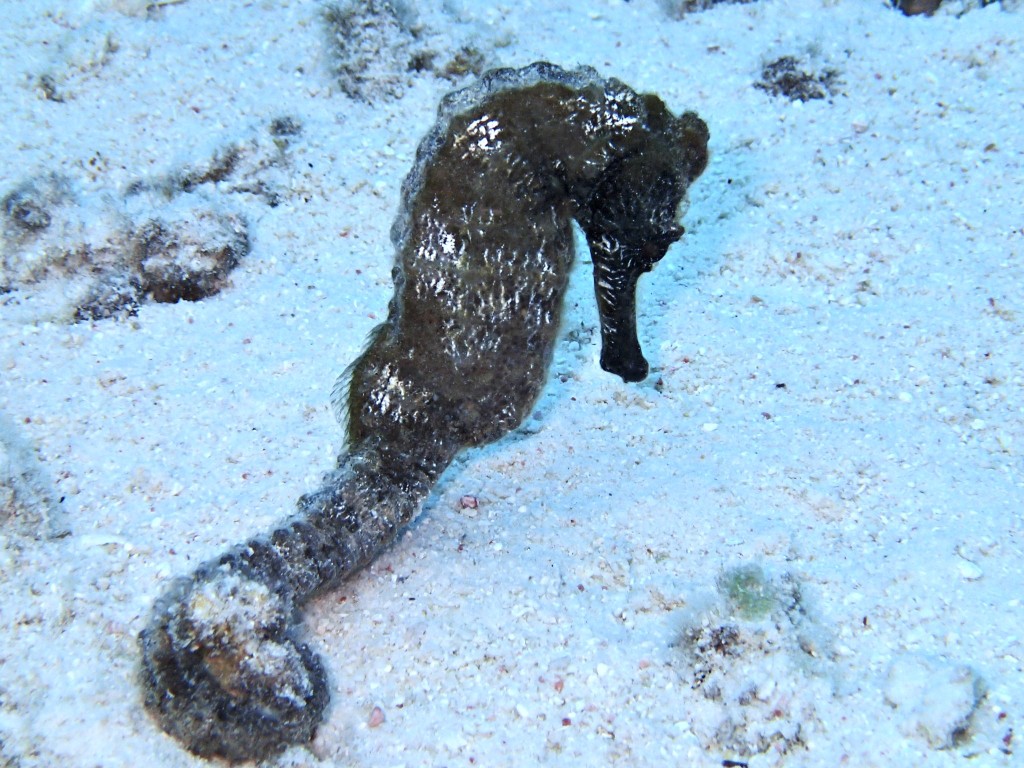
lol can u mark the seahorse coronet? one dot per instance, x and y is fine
(484, 243)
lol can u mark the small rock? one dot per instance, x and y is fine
(935, 698)
(969, 570)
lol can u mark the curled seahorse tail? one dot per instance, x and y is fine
(212, 695)
(223, 668)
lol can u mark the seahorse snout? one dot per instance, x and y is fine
(616, 306)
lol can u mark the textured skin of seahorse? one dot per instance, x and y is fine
(484, 244)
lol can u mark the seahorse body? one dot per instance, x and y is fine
(484, 244)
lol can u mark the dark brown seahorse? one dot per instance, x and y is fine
(484, 243)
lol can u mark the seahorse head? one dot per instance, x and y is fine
(631, 219)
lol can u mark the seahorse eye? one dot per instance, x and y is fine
(651, 253)
(654, 248)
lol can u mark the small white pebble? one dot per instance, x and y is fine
(905, 397)
(968, 570)
(766, 689)
(978, 424)
(710, 427)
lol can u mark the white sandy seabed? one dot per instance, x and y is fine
(799, 542)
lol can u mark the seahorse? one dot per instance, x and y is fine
(484, 244)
